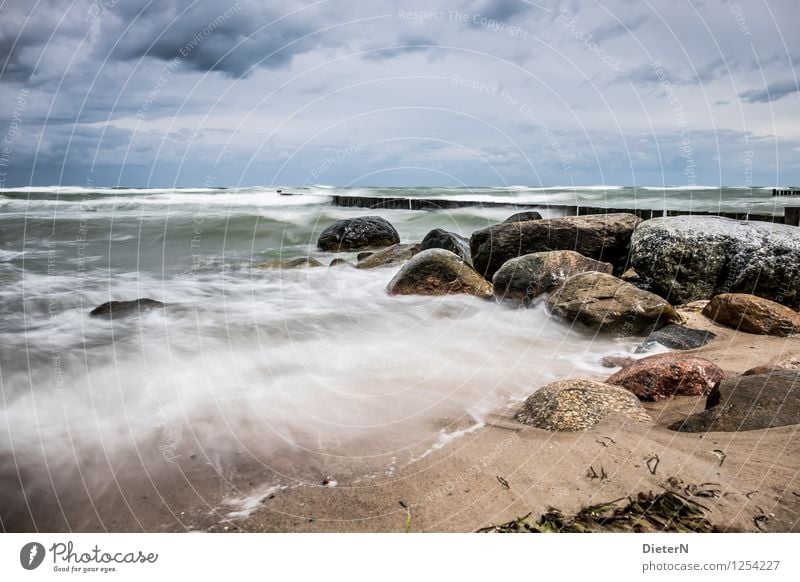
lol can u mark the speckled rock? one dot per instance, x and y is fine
(676, 337)
(686, 258)
(577, 404)
(112, 309)
(298, 263)
(603, 237)
(522, 279)
(352, 234)
(611, 305)
(617, 361)
(664, 376)
(438, 272)
(791, 364)
(752, 314)
(390, 256)
(748, 403)
(441, 239)
(524, 216)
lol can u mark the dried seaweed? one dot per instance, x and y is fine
(647, 512)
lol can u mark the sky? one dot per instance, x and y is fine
(180, 93)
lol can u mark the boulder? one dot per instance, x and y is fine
(664, 376)
(608, 304)
(687, 258)
(523, 216)
(112, 309)
(353, 234)
(526, 277)
(617, 361)
(298, 263)
(752, 314)
(792, 364)
(577, 404)
(449, 241)
(748, 403)
(438, 272)
(676, 337)
(338, 263)
(603, 237)
(363, 255)
(393, 255)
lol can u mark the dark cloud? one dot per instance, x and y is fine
(773, 92)
(617, 29)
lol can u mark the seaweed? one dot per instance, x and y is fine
(646, 512)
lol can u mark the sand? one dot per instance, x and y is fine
(748, 481)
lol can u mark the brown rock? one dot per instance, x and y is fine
(578, 404)
(753, 314)
(617, 361)
(393, 255)
(606, 303)
(438, 272)
(663, 376)
(791, 364)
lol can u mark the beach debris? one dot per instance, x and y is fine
(645, 512)
(503, 482)
(720, 455)
(750, 494)
(593, 474)
(760, 519)
(405, 506)
(652, 463)
(710, 490)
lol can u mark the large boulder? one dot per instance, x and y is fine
(664, 376)
(438, 272)
(112, 309)
(393, 255)
(676, 337)
(687, 258)
(441, 239)
(351, 234)
(526, 277)
(748, 403)
(524, 216)
(752, 314)
(608, 304)
(603, 237)
(577, 404)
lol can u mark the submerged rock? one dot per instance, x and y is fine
(752, 314)
(526, 277)
(363, 255)
(523, 216)
(113, 309)
(617, 361)
(577, 404)
(338, 263)
(298, 263)
(676, 337)
(687, 258)
(664, 376)
(449, 241)
(608, 304)
(438, 272)
(603, 237)
(393, 255)
(352, 234)
(748, 403)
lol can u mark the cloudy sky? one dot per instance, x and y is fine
(470, 92)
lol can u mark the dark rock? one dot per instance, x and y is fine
(603, 237)
(298, 263)
(449, 241)
(687, 258)
(526, 277)
(113, 309)
(363, 255)
(664, 376)
(677, 337)
(752, 314)
(617, 361)
(338, 263)
(748, 403)
(393, 255)
(577, 404)
(523, 216)
(438, 272)
(608, 304)
(353, 234)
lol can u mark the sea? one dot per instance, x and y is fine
(249, 362)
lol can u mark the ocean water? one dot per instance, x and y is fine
(311, 363)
